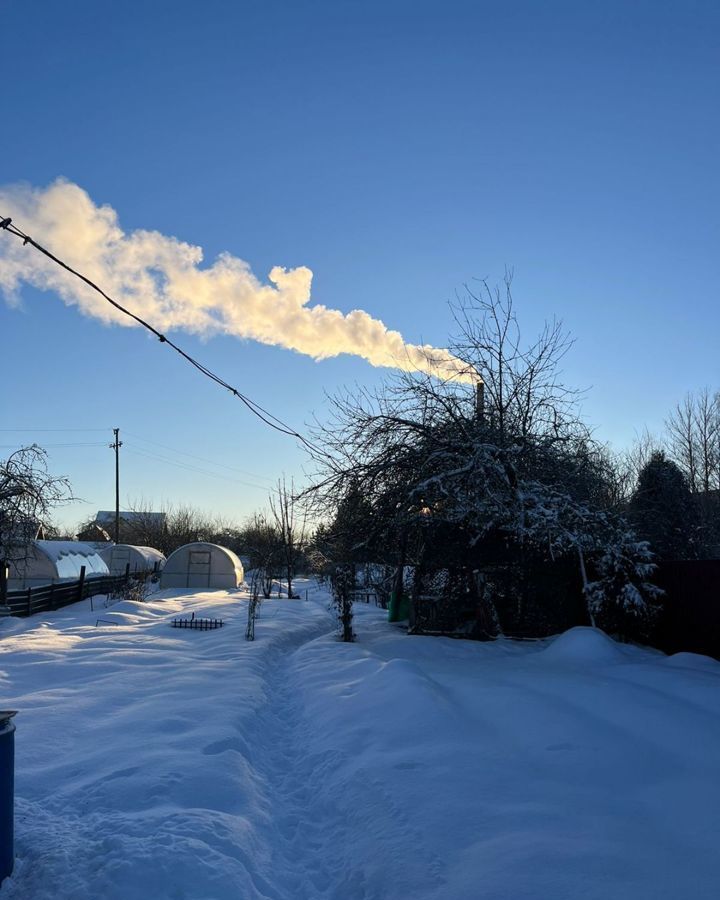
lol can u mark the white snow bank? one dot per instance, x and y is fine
(585, 646)
(164, 764)
(694, 661)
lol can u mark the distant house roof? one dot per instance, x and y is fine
(107, 517)
(94, 533)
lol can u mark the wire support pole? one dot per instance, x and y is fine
(116, 445)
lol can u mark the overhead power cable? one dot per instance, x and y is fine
(61, 430)
(76, 444)
(264, 415)
(199, 458)
(137, 451)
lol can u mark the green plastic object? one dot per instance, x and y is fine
(393, 608)
(398, 607)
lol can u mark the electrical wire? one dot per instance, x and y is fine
(44, 446)
(264, 415)
(189, 468)
(140, 438)
(199, 458)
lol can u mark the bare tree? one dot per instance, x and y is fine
(694, 444)
(522, 387)
(260, 541)
(173, 525)
(707, 432)
(290, 523)
(694, 439)
(28, 494)
(683, 440)
(147, 527)
(445, 481)
(420, 431)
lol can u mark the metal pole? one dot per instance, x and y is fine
(116, 445)
(480, 401)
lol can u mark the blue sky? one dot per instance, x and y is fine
(397, 149)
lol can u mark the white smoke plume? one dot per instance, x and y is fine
(160, 279)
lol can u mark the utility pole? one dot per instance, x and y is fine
(116, 445)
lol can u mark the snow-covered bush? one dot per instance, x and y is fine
(135, 590)
(621, 598)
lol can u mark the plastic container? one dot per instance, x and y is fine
(7, 793)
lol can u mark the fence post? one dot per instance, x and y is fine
(81, 584)
(127, 572)
(50, 599)
(3, 582)
(29, 601)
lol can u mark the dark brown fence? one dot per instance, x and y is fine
(528, 601)
(690, 618)
(46, 597)
(549, 601)
(444, 615)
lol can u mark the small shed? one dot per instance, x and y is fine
(202, 565)
(45, 562)
(140, 559)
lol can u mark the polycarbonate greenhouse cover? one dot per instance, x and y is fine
(69, 556)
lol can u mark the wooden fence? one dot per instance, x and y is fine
(690, 616)
(688, 619)
(365, 595)
(46, 597)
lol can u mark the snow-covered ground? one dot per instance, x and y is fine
(158, 763)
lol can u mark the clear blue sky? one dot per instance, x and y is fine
(398, 149)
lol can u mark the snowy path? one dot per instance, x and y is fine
(154, 763)
(149, 772)
(321, 804)
(297, 862)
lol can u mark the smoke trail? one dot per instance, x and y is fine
(161, 279)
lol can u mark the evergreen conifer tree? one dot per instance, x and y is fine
(663, 511)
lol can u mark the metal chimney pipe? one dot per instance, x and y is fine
(480, 401)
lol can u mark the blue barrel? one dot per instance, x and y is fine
(7, 793)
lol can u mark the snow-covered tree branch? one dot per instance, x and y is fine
(520, 479)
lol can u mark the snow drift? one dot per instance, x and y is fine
(584, 646)
(159, 764)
